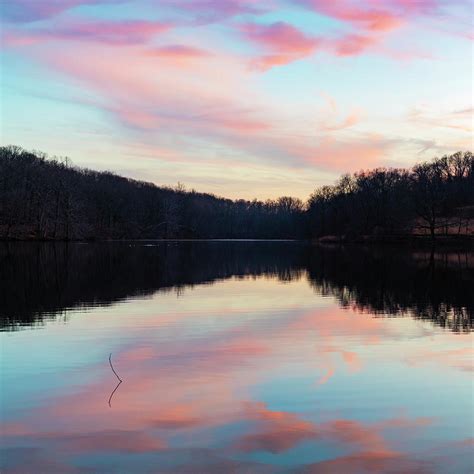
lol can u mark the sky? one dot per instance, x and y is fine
(240, 98)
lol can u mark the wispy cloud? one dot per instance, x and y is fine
(178, 51)
(461, 119)
(110, 32)
(282, 41)
(369, 16)
(34, 10)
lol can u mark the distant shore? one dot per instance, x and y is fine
(45, 199)
(444, 241)
(416, 240)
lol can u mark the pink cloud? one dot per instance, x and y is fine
(355, 432)
(209, 11)
(377, 17)
(34, 10)
(178, 51)
(112, 33)
(352, 44)
(124, 32)
(178, 416)
(264, 63)
(12, 39)
(285, 43)
(369, 462)
(114, 440)
(343, 155)
(368, 17)
(352, 360)
(351, 156)
(145, 92)
(279, 431)
(277, 440)
(370, 22)
(350, 120)
(280, 36)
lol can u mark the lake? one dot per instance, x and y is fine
(243, 356)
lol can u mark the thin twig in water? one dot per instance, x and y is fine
(112, 367)
(119, 379)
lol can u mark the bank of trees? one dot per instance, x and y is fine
(432, 198)
(50, 199)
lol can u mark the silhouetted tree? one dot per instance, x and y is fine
(432, 197)
(49, 199)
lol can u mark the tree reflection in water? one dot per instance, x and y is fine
(45, 280)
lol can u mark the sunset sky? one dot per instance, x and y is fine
(241, 98)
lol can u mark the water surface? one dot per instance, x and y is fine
(235, 357)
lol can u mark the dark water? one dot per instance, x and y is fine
(235, 357)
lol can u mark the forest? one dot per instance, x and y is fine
(432, 199)
(44, 198)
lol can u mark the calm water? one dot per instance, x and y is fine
(235, 357)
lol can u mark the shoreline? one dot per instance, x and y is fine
(452, 241)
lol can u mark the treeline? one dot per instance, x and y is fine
(435, 198)
(49, 199)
